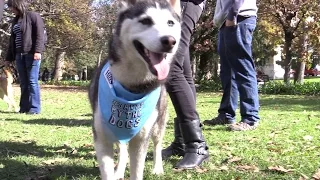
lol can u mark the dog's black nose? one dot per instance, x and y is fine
(168, 42)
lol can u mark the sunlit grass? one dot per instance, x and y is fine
(57, 144)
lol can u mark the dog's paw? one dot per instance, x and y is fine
(158, 171)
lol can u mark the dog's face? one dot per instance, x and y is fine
(149, 32)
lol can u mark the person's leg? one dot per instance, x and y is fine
(242, 63)
(177, 147)
(229, 100)
(183, 98)
(33, 67)
(23, 80)
(179, 90)
(187, 71)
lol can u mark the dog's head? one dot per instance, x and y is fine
(146, 37)
(6, 72)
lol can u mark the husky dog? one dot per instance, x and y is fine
(127, 95)
(6, 89)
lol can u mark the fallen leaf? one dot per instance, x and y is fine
(234, 159)
(2, 166)
(280, 169)
(93, 153)
(189, 176)
(316, 176)
(247, 168)
(201, 170)
(303, 177)
(73, 151)
(61, 151)
(308, 138)
(252, 140)
(177, 170)
(223, 168)
(66, 145)
(87, 145)
(54, 161)
(270, 143)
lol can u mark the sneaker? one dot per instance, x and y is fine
(242, 126)
(217, 121)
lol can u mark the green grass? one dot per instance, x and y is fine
(58, 143)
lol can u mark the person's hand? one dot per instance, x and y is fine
(230, 23)
(7, 63)
(37, 56)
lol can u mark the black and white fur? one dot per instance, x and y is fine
(141, 28)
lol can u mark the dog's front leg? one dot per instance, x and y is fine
(104, 150)
(157, 138)
(138, 147)
(122, 163)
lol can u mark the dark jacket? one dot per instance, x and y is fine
(32, 28)
(196, 2)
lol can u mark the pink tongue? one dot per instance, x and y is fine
(160, 64)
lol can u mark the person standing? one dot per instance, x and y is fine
(189, 141)
(25, 47)
(236, 20)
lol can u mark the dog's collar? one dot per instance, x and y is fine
(124, 113)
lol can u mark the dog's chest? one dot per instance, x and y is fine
(124, 113)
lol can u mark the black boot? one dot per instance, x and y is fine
(196, 151)
(177, 146)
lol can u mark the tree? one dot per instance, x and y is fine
(289, 15)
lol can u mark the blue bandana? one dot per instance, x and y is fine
(124, 113)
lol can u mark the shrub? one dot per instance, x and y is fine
(211, 85)
(276, 87)
(68, 83)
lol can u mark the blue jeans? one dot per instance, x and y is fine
(28, 70)
(238, 75)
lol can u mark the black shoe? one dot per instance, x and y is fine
(173, 150)
(196, 151)
(194, 157)
(177, 147)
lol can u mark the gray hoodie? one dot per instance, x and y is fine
(230, 9)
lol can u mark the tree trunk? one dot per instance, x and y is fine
(205, 66)
(299, 75)
(58, 71)
(288, 58)
(99, 58)
(100, 54)
(194, 66)
(215, 64)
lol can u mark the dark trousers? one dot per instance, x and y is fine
(28, 70)
(238, 75)
(180, 84)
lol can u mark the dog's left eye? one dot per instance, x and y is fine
(170, 23)
(146, 21)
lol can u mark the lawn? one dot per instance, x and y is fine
(58, 143)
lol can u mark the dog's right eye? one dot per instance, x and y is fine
(146, 21)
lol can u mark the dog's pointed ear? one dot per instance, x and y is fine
(125, 4)
(176, 6)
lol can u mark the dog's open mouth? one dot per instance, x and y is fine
(157, 62)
